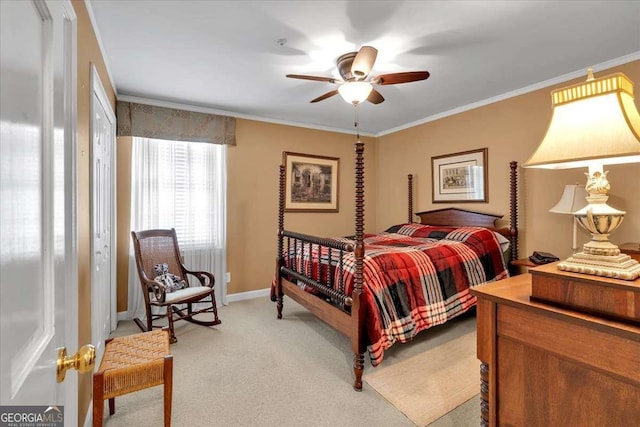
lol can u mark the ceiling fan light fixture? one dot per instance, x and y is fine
(355, 92)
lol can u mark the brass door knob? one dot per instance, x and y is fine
(82, 361)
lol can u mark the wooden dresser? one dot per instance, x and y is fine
(548, 366)
(632, 249)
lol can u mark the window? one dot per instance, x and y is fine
(181, 185)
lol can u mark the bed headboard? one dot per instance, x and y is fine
(464, 218)
(458, 217)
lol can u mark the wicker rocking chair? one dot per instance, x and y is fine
(153, 247)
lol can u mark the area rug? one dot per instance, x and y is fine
(430, 384)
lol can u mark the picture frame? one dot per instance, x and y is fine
(311, 182)
(460, 177)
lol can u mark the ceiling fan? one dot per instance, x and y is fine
(354, 67)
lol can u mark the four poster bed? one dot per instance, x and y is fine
(412, 277)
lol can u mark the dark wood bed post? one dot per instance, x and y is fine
(513, 209)
(410, 198)
(357, 309)
(279, 260)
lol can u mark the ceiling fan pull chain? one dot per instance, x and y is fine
(355, 107)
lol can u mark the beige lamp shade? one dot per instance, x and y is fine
(573, 199)
(592, 121)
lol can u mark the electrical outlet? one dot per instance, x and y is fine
(227, 277)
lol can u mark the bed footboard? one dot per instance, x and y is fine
(313, 261)
(309, 271)
(340, 310)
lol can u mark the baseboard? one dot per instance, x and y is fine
(248, 295)
(124, 315)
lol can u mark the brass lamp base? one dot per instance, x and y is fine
(615, 266)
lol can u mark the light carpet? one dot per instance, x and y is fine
(255, 370)
(432, 383)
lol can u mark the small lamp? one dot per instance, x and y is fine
(594, 123)
(355, 92)
(572, 199)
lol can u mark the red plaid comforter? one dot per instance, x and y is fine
(419, 276)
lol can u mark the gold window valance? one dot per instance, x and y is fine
(150, 121)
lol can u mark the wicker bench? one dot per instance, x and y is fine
(131, 363)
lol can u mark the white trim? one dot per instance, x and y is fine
(71, 188)
(98, 91)
(103, 51)
(248, 295)
(123, 315)
(207, 110)
(536, 86)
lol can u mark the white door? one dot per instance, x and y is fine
(103, 267)
(38, 265)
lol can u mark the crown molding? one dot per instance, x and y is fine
(103, 52)
(531, 88)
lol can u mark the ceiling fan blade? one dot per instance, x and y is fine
(375, 97)
(325, 96)
(363, 62)
(314, 78)
(396, 78)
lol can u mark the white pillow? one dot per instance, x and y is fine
(503, 241)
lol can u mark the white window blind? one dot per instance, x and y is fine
(180, 186)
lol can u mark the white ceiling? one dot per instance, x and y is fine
(223, 55)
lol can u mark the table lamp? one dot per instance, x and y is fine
(573, 198)
(594, 123)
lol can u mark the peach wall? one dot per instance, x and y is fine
(252, 195)
(88, 53)
(512, 130)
